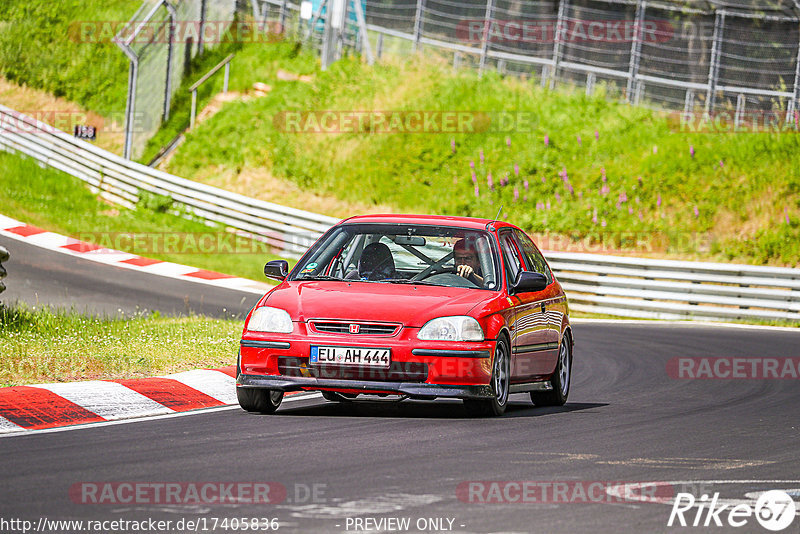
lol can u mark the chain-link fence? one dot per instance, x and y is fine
(160, 41)
(741, 56)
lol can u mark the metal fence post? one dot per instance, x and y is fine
(794, 104)
(487, 24)
(740, 104)
(713, 66)
(200, 40)
(173, 20)
(636, 47)
(130, 107)
(557, 37)
(418, 24)
(282, 18)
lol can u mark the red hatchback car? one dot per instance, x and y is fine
(410, 305)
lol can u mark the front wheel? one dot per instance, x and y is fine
(259, 400)
(501, 376)
(560, 379)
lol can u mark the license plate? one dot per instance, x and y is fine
(370, 357)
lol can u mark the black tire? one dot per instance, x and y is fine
(501, 378)
(561, 379)
(259, 400)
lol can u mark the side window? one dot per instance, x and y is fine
(510, 256)
(533, 257)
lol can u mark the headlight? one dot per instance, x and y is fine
(457, 328)
(266, 319)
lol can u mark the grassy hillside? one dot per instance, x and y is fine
(587, 166)
(39, 47)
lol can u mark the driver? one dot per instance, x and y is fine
(468, 265)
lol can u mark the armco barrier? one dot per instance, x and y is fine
(622, 286)
(668, 289)
(289, 230)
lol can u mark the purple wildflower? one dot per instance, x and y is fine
(630, 210)
(453, 145)
(525, 184)
(516, 194)
(516, 169)
(579, 141)
(786, 214)
(546, 140)
(603, 223)
(696, 212)
(508, 141)
(691, 150)
(596, 135)
(655, 150)
(558, 197)
(481, 154)
(658, 201)
(477, 191)
(489, 181)
(594, 216)
(721, 163)
(471, 164)
(548, 205)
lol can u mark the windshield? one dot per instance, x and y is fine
(403, 254)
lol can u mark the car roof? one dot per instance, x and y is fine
(462, 222)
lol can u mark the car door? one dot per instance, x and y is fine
(531, 347)
(553, 301)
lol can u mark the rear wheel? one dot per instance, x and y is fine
(259, 400)
(500, 383)
(560, 380)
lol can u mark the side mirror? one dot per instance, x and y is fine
(276, 269)
(529, 281)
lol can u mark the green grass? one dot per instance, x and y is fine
(43, 345)
(729, 200)
(61, 203)
(41, 47)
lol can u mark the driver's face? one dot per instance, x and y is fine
(464, 257)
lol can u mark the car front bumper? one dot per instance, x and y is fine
(412, 389)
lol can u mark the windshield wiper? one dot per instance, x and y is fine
(407, 281)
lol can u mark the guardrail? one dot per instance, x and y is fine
(668, 289)
(3, 257)
(622, 286)
(289, 230)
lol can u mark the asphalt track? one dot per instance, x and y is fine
(37, 276)
(627, 420)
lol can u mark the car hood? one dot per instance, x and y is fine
(411, 305)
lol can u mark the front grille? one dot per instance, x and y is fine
(344, 327)
(396, 372)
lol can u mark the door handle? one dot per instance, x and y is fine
(544, 307)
